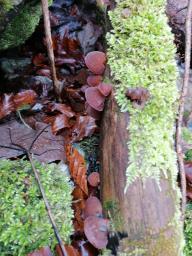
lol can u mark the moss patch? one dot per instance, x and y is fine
(22, 26)
(141, 54)
(24, 224)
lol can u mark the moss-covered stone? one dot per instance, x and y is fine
(22, 26)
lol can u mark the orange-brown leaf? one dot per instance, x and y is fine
(77, 167)
(24, 98)
(6, 105)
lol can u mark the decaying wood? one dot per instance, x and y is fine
(49, 45)
(188, 27)
(144, 212)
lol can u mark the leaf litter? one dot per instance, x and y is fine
(30, 114)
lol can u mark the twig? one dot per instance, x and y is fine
(48, 208)
(22, 120)
(49, 44)
(188, 27)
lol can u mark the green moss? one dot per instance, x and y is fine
(6, 4)
(188, 231)
(22, 26)
(141, 54)
(24, 224)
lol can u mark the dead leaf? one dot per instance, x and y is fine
(139, 96)
(39, 60)
(84, 126)
(47, 148)
(63, 108)
(44, 251)
(24, 98)
(6, 105)
(96, 231)
(60, 122)
(77, 167)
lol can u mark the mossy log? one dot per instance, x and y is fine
(147, 214)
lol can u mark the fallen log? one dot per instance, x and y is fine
(145, 213)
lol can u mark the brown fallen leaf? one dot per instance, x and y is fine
(10, 103)
(63, 108)
(139, 96)
(44, 251)
(60, 122)
(96, 231)
(39, 60)
(24, 98)
(84, 126)
(77, 167)
(6, 105)
(47, 148)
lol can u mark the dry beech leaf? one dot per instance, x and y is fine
(95, 61)
(39, 60)
(94, 98)
(44, 251)
(93, 207)
(64, 109)
(71, 251)
(84, 126)
(94, 179)
(10, 103)
(96, 231)
(24, 98)
(6, 105)
(47, 148)
(77, 167)
(61, 121)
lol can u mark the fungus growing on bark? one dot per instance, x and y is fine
(94, 179)
(95, 61)
(93, 207)
(94, 80)
(105, 89)
(96, 231)
(138, 96)
(94, 98)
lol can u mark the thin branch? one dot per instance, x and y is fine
(23, 121)
(49, 43)
(188, 27)
(37, 136)
(48, 208)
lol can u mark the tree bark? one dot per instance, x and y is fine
(146, 213)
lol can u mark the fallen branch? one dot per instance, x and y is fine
(188, 27)
(49, 44)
